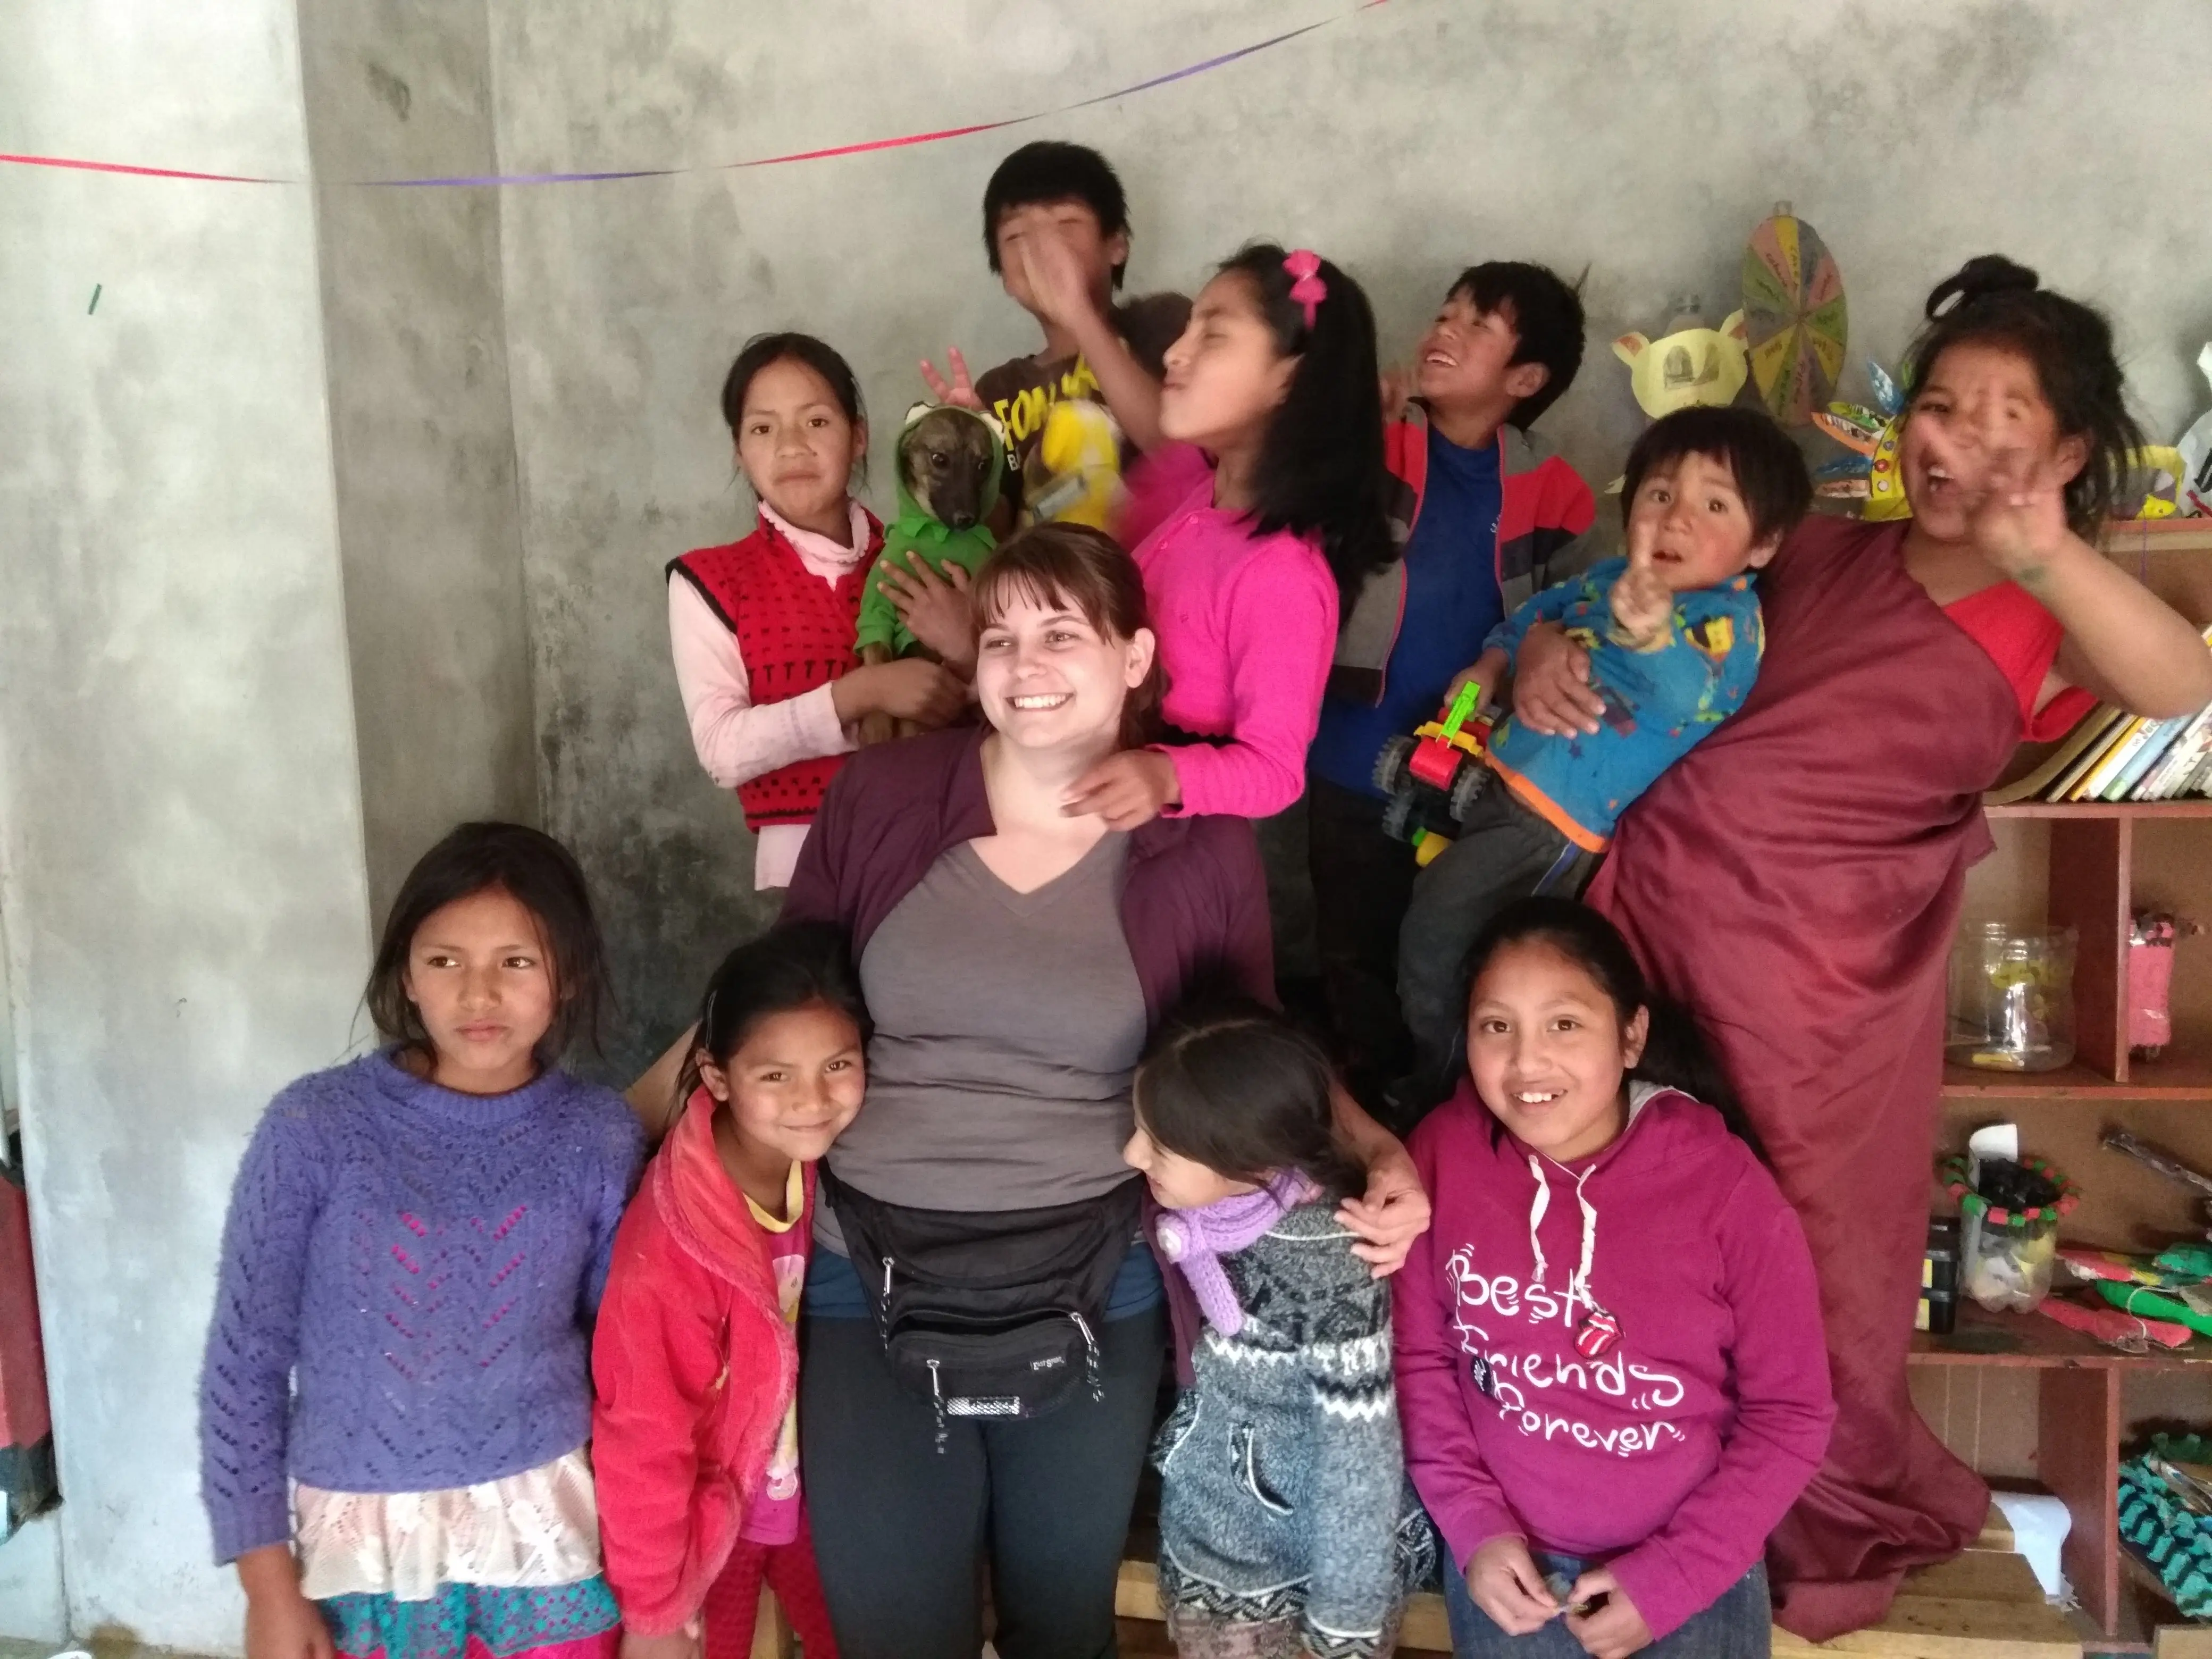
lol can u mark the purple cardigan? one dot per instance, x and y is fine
(1194, 897)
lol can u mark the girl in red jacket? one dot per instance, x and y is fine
(1609, 1360)
(696, 1433)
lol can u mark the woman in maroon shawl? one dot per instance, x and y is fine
(1796, 877)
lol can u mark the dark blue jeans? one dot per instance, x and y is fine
(1740, 1625)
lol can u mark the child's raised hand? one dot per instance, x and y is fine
(1127, 789)
(1643, 604)
(1503, 1579)
(1398, 382)
(935, 608)
(1612, 1630)
(959, 391)
(1058, 286)
(2018, 518)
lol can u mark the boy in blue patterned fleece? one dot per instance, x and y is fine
(1673, 634)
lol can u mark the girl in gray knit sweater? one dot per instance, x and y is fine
(1287, 1526)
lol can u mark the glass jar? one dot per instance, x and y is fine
(2007, 1268)
(2012, 999)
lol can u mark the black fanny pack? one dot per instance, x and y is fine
(989, 1313)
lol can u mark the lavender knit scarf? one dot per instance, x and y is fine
(1196, 1240)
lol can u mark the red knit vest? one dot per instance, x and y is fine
(795, 632)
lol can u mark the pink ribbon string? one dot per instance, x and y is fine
(902, 141)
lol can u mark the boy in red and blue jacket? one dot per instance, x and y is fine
(1487, 517)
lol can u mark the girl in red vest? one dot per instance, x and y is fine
(762, 629)
(695, 1438)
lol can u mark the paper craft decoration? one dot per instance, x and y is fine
(1869, 472)
(2196, 451)
(1691, 365)
(2151, 486)
(1795, 318)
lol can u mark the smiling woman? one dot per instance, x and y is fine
(1015, 949)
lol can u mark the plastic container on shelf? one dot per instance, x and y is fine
(2012, 999)
(2010, 1233)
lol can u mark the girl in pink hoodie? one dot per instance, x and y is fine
(1266, 506)
(1609, 1355)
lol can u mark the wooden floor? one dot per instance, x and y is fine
(1985, 1605)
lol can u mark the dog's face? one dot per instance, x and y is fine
(947, 458)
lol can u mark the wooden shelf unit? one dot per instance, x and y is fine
(2019, 1396)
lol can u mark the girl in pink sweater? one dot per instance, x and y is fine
(1266, 506)
(1610, 1365)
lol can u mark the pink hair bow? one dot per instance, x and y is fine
(1308, 290)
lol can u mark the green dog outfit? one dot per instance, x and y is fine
(917, 530)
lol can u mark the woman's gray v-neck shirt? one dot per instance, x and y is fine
(1007, 1026)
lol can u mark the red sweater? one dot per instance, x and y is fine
(695, 1370)
(1674, 1452)
(794, 633)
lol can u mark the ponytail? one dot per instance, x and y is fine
(1321, 472)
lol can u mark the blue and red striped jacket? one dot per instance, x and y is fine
(1542, 523)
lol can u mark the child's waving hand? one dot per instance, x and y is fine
(2015, 499)
(959, 391)
(1642, 604)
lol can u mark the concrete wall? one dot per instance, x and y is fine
(420, 424)
(202, 547)
(33, 1604)
(1643, 141)
(180, 845)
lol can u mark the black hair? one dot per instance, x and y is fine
(1675, 1054)
(1547, 315)
(1230, 1084)
(539, 874)
(1989, 300)
(1769, 470)
(1052, 170)
(790, 347)
(784, 969)
(1321, 472)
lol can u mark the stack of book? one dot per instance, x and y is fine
(2116, 755)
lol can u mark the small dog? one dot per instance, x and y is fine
(948, 459)
(950, 464)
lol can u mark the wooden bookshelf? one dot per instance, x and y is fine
(2037, 1343)
(2173, 1076)
(2195, 808)
(2019, 1396)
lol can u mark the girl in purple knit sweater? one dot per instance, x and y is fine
(398, 1389)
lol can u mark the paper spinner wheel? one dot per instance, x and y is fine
(1795, 316)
